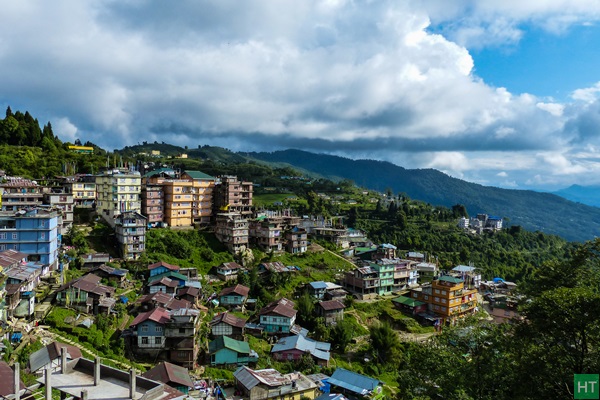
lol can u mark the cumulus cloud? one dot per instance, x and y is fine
(389, 80)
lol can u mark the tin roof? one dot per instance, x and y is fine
(317, 349)
(331, 305)
(237, 289)
(282, 307)
(158, 315)
(228, 319)
(163, 264)
(225, 342)
(49, 353)
(352, 381)
(167, 373)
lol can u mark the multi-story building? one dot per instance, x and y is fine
(233, 195)
(34, 232)
(202, 196)
(267, 384)
(385, 272)
(232, 230)
(447, 297)
(153, 195)
(18, 193)
(363, 281)
(63, 202)
(118, 191)
(130, 230)
(178, 202)
(278, 316)
(83, 189)
(296, 240)
(267, 233)
(405, 273)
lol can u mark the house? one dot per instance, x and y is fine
(181, 279)
(161, 267)
(163, 300)
(149, 330)
(49, 356)
(234, 296)
(271, 384)
(331, 310)
(363, 281)
(180, 334)
(296, 240)
(93, 260)
(163, 285)
(226, 324)
(278, 316)
(231, 229)
(292, 348)
(275, 267)
(188, 293)
(317, 289)
(354, 384)
(469, 274)
(227, 351)
(111, 274)
(170, 374)
(87, 295)
(228, 270)
(409, 305)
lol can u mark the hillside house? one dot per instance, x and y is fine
(161, 267)
(354, 384)
(292, 348)
(87, 295)
(317, 289)
(228, 271)
(180, 279)
(170, 374)
(332, 311)
(188, 293)
(278, 316)
(226, 324)
(228, 351)
(296, 240)
(163, 300)
(130, 231)
(163, 285)
(363, 281)
(409, 305)
(116, 275)
(234, 296)
(268, 384)
(447, 297)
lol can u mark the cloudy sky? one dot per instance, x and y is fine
(503, 93)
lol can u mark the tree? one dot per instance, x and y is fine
(384, 341)
(459, 210)
(341, 335)
(306, 308)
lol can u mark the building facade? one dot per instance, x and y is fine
(118, 191)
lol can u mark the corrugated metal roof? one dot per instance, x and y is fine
(199, 175)
(353, 382)
(225, 342)
(317, 349)
(166, 372)
(45, 355)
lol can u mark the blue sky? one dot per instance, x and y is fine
(543, 63)
(502, 93)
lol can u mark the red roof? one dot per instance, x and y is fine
(237, 289)
(164, 281)
(228, 319)
(332, 305)
(170, 373)
(163, 264)
(282, 307)
(158, 315)
(10, 257)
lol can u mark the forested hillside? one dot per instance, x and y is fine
(533, 210)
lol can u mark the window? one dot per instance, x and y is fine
(443, 308)
(14, 236)
(437, 291)
(158, 340)
(436, 299)
(443, 292)
(443, 300)
(2, 235)
(426, 297)
(159, 329)
(42, 235)
(144, 328)
(145, 340)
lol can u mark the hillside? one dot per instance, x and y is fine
(589, 195)
(534, 211)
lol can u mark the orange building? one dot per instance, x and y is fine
(447, 297)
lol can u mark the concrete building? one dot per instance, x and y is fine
(233, 195)
(130, 230)
(18, 193)
(202, 196)
(232, 230)
(34, 232)
(83, 190)
(447, 297)
(118, 191)
(296, 240)
(269, 383)
(63, 203)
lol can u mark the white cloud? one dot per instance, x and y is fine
(587, 95)
(502, 174)
(65, 130)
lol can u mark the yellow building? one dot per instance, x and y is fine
(447, 297)
(82, 149)
(269, 383)
(118, 191)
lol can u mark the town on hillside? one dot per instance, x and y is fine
(87, 324)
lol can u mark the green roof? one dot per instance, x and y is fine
(199, 175)
(168, 274)
(407, 301)
(451, 279)
(159, 171)
(225, 342)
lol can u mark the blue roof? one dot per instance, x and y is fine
(331, 396)
(319, 350)
(318, 285)
(463, 268)
(388, 246)
(353, 382)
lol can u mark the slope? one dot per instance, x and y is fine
(534, 211)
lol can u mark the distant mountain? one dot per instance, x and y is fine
(589, 195)
(534, 211)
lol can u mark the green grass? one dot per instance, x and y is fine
(270, 198)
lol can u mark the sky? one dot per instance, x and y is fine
(501, 93)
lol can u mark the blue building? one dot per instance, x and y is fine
(34, 232)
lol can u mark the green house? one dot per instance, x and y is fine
(225, 350)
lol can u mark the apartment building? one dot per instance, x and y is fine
(233, 195)
(153, 195)
(34, 232)
(130, 229)
(83, 189)
(64, 203)
(296, 240)
(118, 191)
(203, 186)
(231, 229)
(18, 193)
(447, 297)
